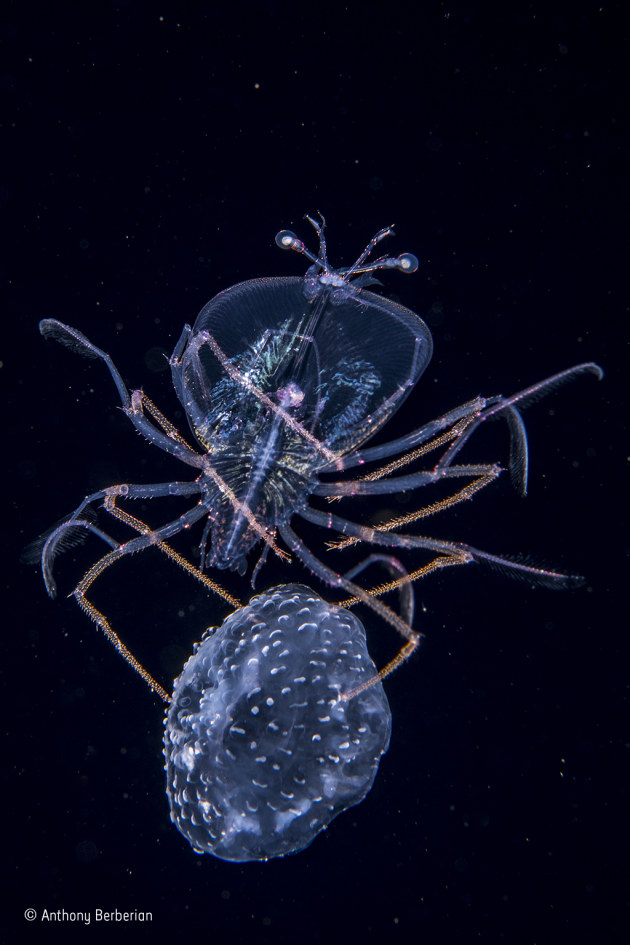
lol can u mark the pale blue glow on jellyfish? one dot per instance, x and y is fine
(261, 751)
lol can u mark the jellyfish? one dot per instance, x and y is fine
(262, 749)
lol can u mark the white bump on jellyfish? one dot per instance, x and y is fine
(251, 780)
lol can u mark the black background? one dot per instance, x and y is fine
(150, 154)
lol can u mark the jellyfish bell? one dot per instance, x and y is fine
(262, 750)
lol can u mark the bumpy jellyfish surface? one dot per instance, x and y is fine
(261, 751)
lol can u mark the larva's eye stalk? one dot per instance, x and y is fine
(407, 262)
(286, 239)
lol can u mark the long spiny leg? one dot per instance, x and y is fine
(384, 471)
(144, 540)
(475, 414)
(405, 579)
(478, 410)
(141, 527)
(436, 442)
(57, 539)
(411, 456)
(409, 577)
(140, 401)
(401, 582)
(333, 579)
(510, 407)
(425, 477)
(424, 434)
(99, 618)
(463, 495)
(131, 404)
(134, 405)
(551, 579)
(101, 621)
(407, 649)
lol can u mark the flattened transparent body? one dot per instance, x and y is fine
(354, 359)
(279, 382)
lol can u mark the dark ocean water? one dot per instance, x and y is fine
(149, 157)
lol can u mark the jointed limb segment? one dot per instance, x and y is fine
(398, 484)
(463, 421)
(110, 558)
(101, 621)
(140, 401)
(468, 491)
(131, 405)
(330, 577)
(402, 582)
(175, 445)
(146, 539)
(452, 558)
(408, 648)
(511, 407)
(467, 553)
(182, 562)
(436, 565)
(453, 434)
(58, 539)
(427, 432)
